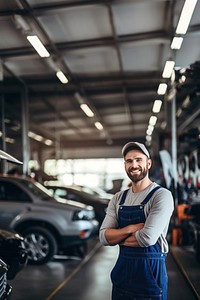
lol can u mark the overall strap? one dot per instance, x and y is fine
(148, 197)
(123, 197)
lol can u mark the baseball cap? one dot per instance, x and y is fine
(135, 145)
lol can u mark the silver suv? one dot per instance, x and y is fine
(49, 225)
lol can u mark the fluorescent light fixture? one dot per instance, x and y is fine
(153, 120)
(162, 89)
(186, 102)
(150, 127)
(186, 16)
(48, 142)
(148, 138)
(157, 106)
(163, 125)
(179, 112)
(85, 108)
(9, 140)
(61, 76)
(35, 136)
(150, 130)
(98, 125)
(38, 138)
(167, 72)
(37, 44)
(176, 43)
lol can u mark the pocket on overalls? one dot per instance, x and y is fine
(137, 276)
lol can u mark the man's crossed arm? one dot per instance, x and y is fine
(124, 236)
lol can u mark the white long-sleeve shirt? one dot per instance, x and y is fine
(157, 211)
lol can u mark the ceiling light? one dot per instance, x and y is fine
(157, 106)
(179, 112)
(48, 142)
(98, 125)
(163, 125)
(38, 138)
(87, 110)
(148, 138)
(35, 136)
(167, 72)
(186, 16)
(176, 43)
(9, 140)
(150, 127)
(61, 76)
(150, 130)
(186, 102)
(162, 88)
(153, 120)
(37, 44)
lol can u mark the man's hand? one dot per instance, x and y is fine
(120, 235)
(134, 227)
(131, 241)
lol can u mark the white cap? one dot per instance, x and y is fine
(135, 145)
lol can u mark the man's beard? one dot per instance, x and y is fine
(137, 177)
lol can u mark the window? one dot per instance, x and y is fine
(11, 192)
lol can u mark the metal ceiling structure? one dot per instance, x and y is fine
(113, 53)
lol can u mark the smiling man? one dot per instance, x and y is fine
(137, 220)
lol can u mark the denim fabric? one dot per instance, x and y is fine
(140, 272)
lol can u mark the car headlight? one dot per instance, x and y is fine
(83, 215)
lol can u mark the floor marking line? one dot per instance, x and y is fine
(175, 257)
(69, 277)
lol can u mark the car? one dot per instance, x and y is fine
(5, 288)
(13, 255)
(13, 258)
(97, 191)
(13, 252)
(49, 226)
(76, 193)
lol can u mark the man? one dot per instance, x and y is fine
(137, 220)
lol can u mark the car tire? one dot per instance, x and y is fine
(77, 250)
(81, 250)
(40, 245)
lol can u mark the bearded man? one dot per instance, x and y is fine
(137, 220)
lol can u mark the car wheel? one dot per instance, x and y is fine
(40, 245)
(81, 250)
(78, 250)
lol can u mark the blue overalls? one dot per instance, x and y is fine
(140, 272)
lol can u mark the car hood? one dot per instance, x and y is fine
(62, 203)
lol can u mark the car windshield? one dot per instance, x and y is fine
(38, 190)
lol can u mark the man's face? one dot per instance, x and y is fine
(137, 165)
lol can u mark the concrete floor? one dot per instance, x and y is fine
(89, 279)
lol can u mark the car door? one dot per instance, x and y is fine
(13, 201)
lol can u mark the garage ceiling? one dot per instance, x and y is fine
(113, 54)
